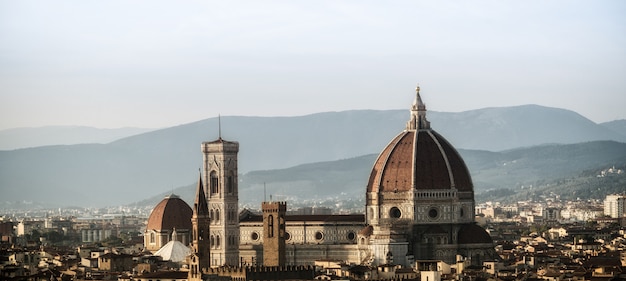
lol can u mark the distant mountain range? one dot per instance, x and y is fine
(140, 166)
(544, 168)
(17, 138)
(618, 126)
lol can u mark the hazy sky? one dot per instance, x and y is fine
(162, 63)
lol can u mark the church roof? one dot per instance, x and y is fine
(419, 158)
(367, 231)
(250, 217)
(174, 251)
(172, 212)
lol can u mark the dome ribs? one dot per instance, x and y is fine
(431, 169)
(398, 167)
(460, 173)
(378, 176)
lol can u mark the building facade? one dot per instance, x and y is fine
(615, 205)
(307, 238)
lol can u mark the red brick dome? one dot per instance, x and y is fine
(420, 159)
(171, 213)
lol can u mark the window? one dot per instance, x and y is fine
(395, 213)
(351, 235)
(270, 226)
(319, 235)
(230, 182)
(214, 182)
(281, 226)
(254, 236)
(433, 213)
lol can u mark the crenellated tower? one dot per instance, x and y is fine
(220, 178)
(274, 233)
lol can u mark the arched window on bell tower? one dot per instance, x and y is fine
(230, 183)
(214, 181)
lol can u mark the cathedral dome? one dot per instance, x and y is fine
(419, 158)
(171, 213)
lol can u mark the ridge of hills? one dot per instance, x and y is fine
(133, 168)
(16, 138)
(618, 126)
(505, 176)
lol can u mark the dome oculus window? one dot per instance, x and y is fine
(351, 235)
(319, 235)
(433, 213)
(395, 213)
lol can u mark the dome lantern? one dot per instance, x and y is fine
(418, 119)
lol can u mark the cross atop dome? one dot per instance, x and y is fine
(418, 113)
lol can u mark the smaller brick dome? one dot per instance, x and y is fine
(473, 234)
(171, 213)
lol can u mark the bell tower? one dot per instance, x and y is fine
(220, 178)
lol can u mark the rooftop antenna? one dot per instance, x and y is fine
(264, 193)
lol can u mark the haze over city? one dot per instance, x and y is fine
(152, 64)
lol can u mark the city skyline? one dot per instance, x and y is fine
(159, 64)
